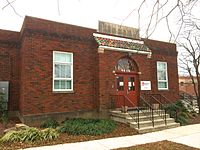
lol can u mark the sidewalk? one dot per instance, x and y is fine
(188, 135)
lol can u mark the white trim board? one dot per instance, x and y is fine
(125, 50)
(117, 38)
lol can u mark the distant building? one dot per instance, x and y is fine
(186, 85)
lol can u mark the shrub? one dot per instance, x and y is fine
(87, 126)
(49, 134)
(49, 123)
(193, 114)
(29, 135)
(3, 111)
(181, 119)
(2, 100)
(4, 118)
(179, 112)
(11, 136)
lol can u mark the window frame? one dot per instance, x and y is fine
(62, 79)
(166, 73)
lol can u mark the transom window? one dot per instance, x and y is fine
(162, 75)
(124, 65)
(62, 71)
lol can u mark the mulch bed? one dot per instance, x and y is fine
(163, 145)
(121, 130)
(194, 120)
(11, 123)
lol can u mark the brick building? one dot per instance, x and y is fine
(57, 69)
(186, 85)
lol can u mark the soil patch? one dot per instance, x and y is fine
(195, 120)
(162, 145)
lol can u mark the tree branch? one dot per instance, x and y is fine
(10, 4)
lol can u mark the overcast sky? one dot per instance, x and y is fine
(78, 12)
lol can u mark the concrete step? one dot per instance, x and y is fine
(146, 118)
(132, 116)
(157, 128)
(149, 123)
(141, 118)
(141, 113)
(145, 123)
(146, 111)
(120, 119)
(119, 114)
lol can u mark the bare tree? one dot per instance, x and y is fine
(190, 57)
(10, 4)
(163, 12)
(187, 34)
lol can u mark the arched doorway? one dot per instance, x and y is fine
(127, 82)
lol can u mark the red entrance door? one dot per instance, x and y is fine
(127, 89)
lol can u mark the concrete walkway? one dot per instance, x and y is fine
(188, 135)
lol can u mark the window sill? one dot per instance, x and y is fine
(163, 89)
(70, 92)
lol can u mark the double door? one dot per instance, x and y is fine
(127, 89)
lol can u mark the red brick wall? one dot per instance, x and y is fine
(187, 88)
(186, 85)
(93, 77)
(9, 65)
(94, 80)
(172, 92)
(147, 67)
(37, 49)
(56, 28)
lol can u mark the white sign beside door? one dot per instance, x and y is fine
(145, 85)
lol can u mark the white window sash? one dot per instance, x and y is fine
(63, 79)
(166, 74)
(59, 62)
(63, 63)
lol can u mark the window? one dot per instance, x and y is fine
(131, 83)
(162, 75)
(125, 65)
(120, 83)
(62, 71)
